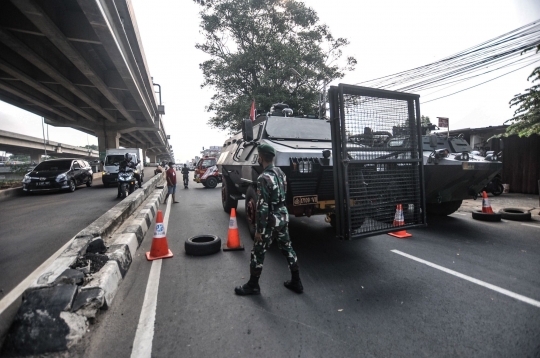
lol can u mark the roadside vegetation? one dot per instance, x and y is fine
(266, 51)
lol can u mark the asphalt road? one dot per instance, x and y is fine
(361, 298)
(35, 226)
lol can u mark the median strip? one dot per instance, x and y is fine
(82, 278)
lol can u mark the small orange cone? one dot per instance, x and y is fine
(399, 220)
(160, 248)
(233, 240)
(486, 207)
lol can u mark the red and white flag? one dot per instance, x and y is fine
(252, 111)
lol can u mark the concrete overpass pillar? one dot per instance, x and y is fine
(107, 140)
(35, 157)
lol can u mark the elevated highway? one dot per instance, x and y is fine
(81, 64)
(20, 143)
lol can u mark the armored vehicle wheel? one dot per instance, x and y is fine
(499, 189)
(226, 200)
(443, 209)
(251, 210)
(211, 182)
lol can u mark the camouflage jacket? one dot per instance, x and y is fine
(271, 191)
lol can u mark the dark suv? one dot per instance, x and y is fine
(58, 174)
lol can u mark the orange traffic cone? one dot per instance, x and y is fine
(160, 248)
(233, 239)
(399, 220)
(486, 207)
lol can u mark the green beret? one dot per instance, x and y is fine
(265, 148)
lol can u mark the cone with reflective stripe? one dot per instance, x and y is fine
(399, 220)
(160, 248)
(233, 239)
(486, 207)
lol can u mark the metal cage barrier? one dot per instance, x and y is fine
(372, 174)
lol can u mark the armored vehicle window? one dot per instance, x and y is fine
(298, 128)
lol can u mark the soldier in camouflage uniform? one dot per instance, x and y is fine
(271, 222)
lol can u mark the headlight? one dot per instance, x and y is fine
(305, 167)
(463, 156)
(26, 179)
(105, 173)
(61, 177)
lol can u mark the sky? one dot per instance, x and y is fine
(385, 37)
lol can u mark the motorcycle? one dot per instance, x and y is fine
(495, 186)
(127, 183)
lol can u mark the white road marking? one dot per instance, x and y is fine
(536, 226)
(473, 280)
(15, 293)
(142, 344)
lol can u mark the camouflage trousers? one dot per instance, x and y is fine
(281, 233)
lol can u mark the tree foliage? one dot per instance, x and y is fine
(269, 51)
(526, 120)
(425, 120)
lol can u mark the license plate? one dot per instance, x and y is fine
(42, 183)
(305, 200)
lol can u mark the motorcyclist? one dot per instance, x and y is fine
(185, 175)
(128, 163)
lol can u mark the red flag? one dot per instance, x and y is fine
(252, 111)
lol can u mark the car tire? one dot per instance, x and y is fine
(211, 182)
(515, 214)
(251, 210)
(226, 200)
(479, 215)
(72, 186)
(89, 182)
(202, 245)
(499, 189)
(443, 209)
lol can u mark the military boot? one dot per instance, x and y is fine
(294, 284)
(249, 288)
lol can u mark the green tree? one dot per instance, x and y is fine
(91, 146)
(269, 51)
(425, 121)
(526, 120)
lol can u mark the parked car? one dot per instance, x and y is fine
(58, 174)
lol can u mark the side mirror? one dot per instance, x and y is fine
(247, 130)
(138, 161)
(433, 141)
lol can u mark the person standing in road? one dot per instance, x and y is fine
(170, 174)
(185, 175)
(272, 219)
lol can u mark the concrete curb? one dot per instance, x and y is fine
(31, 327)
(8, 193)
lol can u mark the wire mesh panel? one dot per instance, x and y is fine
(377, 160)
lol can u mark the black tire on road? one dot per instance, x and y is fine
(72, 186)
(251, 210)
(202, 245)
(443, 209)
(226, 200)
(123, 192)
(515, 214)
(211, 182)
(89, 182)
(479, 215)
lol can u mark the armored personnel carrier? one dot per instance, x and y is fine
(453, 171)
(303, 146)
